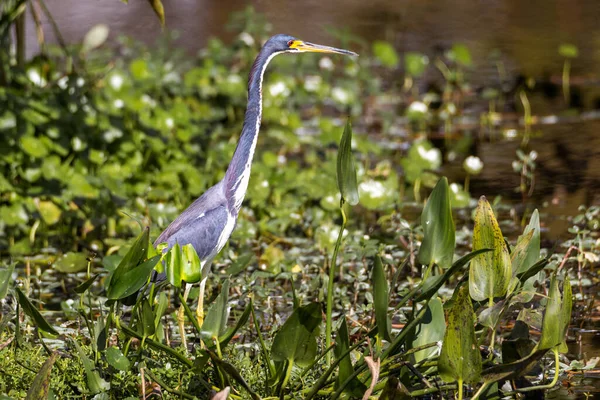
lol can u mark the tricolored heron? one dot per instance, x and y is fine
(209, 221)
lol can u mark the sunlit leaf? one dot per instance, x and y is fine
(568, 50)
(95, 38)
(552, 328)
(565, 312)
(116, 359)
(33, 146)
(296, 341)
(460, 54)
(430, 330)
(41, 383)
(415, 63)
(381, 299)
(130, 282)
(71, 262)
(191, 271)
(490, 273)
(49, 211)
(34, 314)
(346, 170)
(460, 359)
(217, 315)
(438, 228)
(386, 54)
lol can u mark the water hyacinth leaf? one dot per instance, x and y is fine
(381, 299)
(551, 327)
(216, 318)
(41, 383)
(490, 273)
(296, 341)
(131, 281)
(346, 170)
(191, 271)
(71, 262)
(116, 359)
(430, 330)
(460, 359)
(34, 314)
(5, 279)
(95, 383)
(438, 228)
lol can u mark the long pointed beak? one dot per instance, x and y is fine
(317, 48)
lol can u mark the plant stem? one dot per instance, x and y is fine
(460, 389)
(554, 380)
(328, 321)
(565, 81)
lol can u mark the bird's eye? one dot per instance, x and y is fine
(289, 43)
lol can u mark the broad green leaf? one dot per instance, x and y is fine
(460, 359)
(386, 54)
(380, 300)
(49, 211)
(216, 318)
(131, 281)
(71, 262)
(342, 344)
(33, 146)
(191, 271)
(489, 316)
(490, 273)
(568, 50)
(146, 319)
(34, 314)
(5, 279)
(524, 256)
(565, 312)
(41, 383)
(136, 254)
(174, 261)
(430, 330)
(95, 383)
(438, 228)
(116, 359)
(552, 328)
(296, 341)
(346, 170)
(460, 54)
(415, 64)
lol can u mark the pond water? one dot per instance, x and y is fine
(527, 33)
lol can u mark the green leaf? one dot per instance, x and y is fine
(191, 271)
(342, 344)
(381, 299)
(34, 314)
(95, 383)
(216, 318)
(225, 338)
(158, 10)
(490, 273)
(552, 329)
(5, 279)
(565, 311)
(460, 54)
(430, 330)
(296, 341)
(41, 383)
(346, 170)
(568, 50)
(146, 320)
(33, 146)
(85, 285)
(415, 64)
(386, 54)
(135, 255)
(50, 212)
(116, 359)
(460, 359)
(71, 263)
(130, 282)
(438, 228)
(173, 262)
(524, 256)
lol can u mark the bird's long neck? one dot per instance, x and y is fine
(238, 173)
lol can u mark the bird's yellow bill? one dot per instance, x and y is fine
(317, 48)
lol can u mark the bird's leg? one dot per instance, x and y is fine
(200, 309)
(181, 316)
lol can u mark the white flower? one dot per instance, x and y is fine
(340, 95)
(63, 82)
(169, 123)
(279, 88)
(118, 103)
(533, 155)
(264, 184)
(434, 156)
(473, 165)
(326, 63)
(79, 82)
(374, 188)
(417, 107)
(247, 38)
(312, 83)
(148, 100)
(510, 133)
(281, 159)
(35, 77)
(116, 81)
(454, 188)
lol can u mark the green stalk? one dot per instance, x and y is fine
(328, 322)
(565, 80)
(460, 389)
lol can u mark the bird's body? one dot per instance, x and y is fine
(209, 221)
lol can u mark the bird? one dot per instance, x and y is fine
(209, 221)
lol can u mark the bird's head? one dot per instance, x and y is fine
(289, 44)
